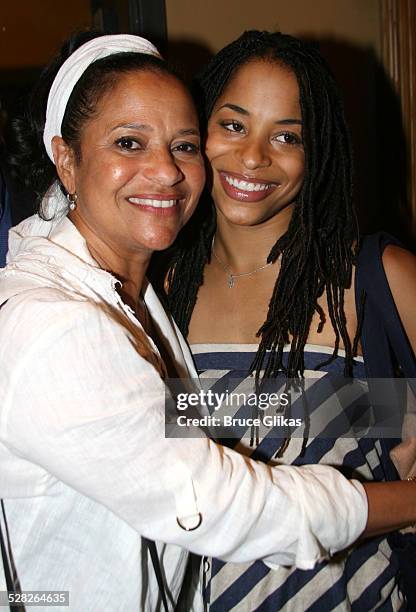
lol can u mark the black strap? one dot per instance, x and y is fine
(6, 564)
(182, 603)
(12, 582)
(188, 587)
(158, 572)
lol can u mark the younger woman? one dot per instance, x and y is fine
(263, 282)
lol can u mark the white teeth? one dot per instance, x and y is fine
(245, 185)
(154, 203)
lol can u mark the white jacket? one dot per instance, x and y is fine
(86, 467)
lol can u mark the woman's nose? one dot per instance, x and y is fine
(163, 169)
(254, 154)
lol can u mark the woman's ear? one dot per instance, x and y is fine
(64, 157)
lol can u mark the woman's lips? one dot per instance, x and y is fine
(245, 190)
(165, 204)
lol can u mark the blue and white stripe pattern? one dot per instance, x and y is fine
(362, 579)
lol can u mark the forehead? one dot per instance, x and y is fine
(262, 82)
(146, 93)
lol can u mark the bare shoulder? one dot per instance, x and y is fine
(400, 267)
(397, 256)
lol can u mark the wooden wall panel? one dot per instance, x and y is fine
(398, 27)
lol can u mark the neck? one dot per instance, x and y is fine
(244, 248)
(129, 272)
(129, 267)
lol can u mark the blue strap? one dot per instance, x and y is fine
(383, 337)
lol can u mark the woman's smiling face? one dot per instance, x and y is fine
(140, 170)
(254, 143)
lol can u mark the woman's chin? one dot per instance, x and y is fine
(160, 241)
(250, 216)
(243, 219)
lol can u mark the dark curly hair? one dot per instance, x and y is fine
(318, 248)
(28, 157)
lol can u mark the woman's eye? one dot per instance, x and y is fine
(186, 147)
(289, 138)
(233, 126)
(128, 144)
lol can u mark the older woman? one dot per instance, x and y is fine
(263, 283)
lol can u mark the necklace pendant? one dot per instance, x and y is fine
(230, 281)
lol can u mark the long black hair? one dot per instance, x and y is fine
(318, 249)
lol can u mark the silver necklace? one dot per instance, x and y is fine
(230, 274)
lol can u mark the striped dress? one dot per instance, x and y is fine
(362, 579)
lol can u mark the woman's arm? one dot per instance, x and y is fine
(400, 268)
(391, 505)
(82, 407)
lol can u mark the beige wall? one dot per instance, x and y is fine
(31, 31)
(348, 33)
(216, 22)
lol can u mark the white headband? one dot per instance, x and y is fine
(74, 67)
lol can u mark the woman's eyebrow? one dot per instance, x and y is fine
(234, 107)
(288, 122)
(145, 127)
(189, 132)
(243, 111)
(132, 126)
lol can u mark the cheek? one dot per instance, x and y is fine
(117, 173)
(295, 168)
(108, 173)
(215, 146)
(301, 171)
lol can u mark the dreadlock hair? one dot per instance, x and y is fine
(317, 251)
